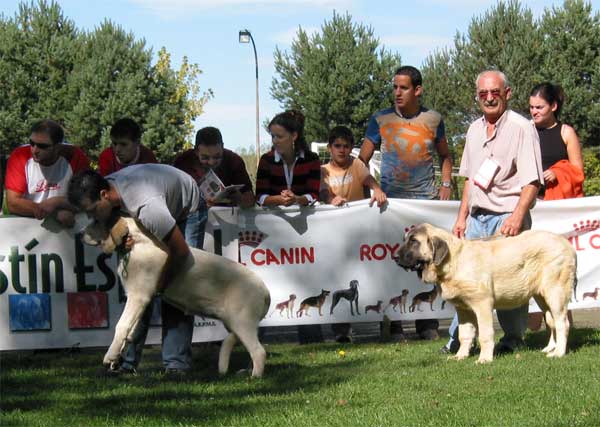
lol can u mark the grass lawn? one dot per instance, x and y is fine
(372, 384)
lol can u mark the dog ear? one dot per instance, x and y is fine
(440, 250)
(119, 231)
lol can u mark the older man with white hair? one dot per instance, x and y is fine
(503, 169)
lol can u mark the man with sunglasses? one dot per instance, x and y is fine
(503, 169)
(209, 154)
(37, 174)
(125, 149)
(408, 136)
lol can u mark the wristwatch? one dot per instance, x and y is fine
(446, 184)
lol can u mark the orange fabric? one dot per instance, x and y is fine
(569, 182)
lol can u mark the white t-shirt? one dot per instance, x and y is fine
(37, 182)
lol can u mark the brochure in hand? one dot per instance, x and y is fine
(213, 189)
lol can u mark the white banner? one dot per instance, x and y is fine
(56, 292)
(301, 252)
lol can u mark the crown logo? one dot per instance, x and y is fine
(586, 226)
(251, 238)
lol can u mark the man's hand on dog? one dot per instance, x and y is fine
(512, 225)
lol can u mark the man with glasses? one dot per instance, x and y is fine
(125, 149)
(37, 174)
(408, 135)
(209, 154)
(503, 169)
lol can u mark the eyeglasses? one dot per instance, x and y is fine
(483, 94)
(341, 146)
(40, 146)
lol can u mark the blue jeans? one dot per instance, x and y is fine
(177, 331)
(514, 321)
(195, 225)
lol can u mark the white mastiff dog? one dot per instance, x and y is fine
(209, 285)
(477, 276)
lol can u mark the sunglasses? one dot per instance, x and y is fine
(40, 146)
(483, 94)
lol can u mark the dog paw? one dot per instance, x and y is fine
(548, 349)
(483, 360)
(110, 360)
(457, 357)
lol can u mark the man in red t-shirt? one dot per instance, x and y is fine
(209, 154)
(37, 174)
(126, 150)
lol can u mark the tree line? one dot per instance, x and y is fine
(341, 75)
(86, 80)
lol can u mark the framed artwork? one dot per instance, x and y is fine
(87, 310)
(29, 312)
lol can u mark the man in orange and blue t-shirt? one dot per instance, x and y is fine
(408, 135)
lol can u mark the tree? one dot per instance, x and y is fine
(86, 81)
(338, 76)
(571, 58)
(37, 50)
(176, 101)
(504, 38)
(110, 79)
(442, 94)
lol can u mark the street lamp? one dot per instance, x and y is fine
(246, 37)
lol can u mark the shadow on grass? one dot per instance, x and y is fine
(208, 398)
(40, 385)
(577, 338)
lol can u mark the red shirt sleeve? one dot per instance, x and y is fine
(79, 161)
(146, 155)
(105, 162)
(263, 174)
(15, 170)
(314, 180)
(189, 163)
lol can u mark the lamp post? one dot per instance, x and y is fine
(246, 37)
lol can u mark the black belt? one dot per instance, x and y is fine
(482, 211)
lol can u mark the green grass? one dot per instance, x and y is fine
(374, 384)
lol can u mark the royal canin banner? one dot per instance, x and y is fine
(308, 255)
(56, 292)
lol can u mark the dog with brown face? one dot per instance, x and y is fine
(209, 285)
(477, 276)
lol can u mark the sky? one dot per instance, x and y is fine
(206, 31)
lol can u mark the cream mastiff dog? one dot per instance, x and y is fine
(209, 285)
(477, 276)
